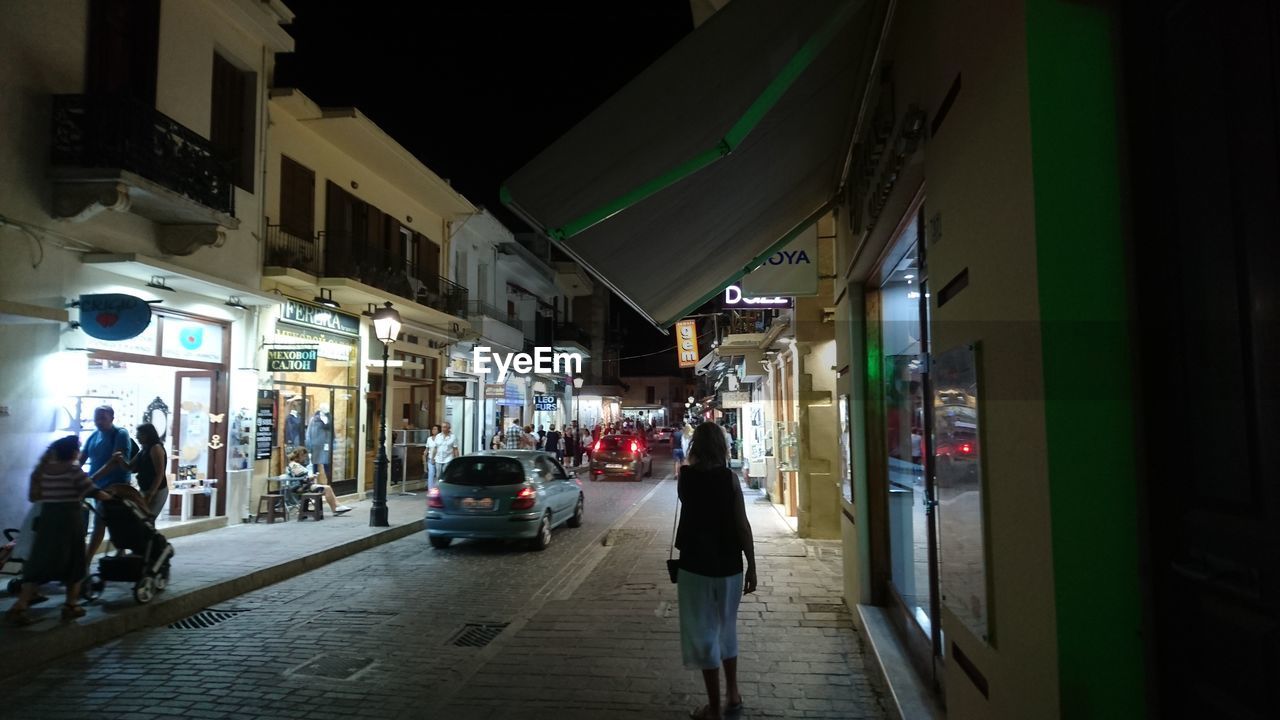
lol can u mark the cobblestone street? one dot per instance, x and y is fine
(583, 630)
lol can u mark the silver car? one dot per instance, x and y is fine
(503, 494)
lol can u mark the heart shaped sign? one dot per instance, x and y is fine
(107, 319)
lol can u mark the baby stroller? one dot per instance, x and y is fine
(142, 554)
(9, 564)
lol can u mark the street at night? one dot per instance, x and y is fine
(646, 359)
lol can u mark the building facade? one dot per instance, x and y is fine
(132, 188)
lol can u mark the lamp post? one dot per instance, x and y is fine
(386, 326)
(577, 404)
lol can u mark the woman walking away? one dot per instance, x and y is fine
(686, 438)
(59, 552)
(713, 535)
(148, 466)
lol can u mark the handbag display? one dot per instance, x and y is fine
(673, 565)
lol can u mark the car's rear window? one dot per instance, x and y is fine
(484, 470)
(610, 443)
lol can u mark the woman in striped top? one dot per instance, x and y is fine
(58, 551)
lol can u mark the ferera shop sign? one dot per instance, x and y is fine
(113, 316)
(292, 359)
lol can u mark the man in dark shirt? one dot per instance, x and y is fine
(552, 443)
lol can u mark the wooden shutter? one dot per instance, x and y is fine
(428, 257)
(231, 120)
(124, 37)
(297, 198)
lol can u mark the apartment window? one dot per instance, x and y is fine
(232, 122)
(410, 245)
(482, 282)
(650, 393)
(297, 198)
(124, 40)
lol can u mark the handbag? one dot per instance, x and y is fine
(673, 565)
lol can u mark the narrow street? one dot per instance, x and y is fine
(582, 630)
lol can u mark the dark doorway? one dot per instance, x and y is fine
(1201, 90)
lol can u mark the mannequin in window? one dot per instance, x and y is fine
(319, 435)
(293, 426)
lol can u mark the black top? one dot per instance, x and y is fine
(146, 472)
(708, 536)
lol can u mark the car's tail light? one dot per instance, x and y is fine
(524, 499)
(635, 447)
(434, 500)
(596, 448)
(966, 449)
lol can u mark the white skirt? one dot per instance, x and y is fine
(708, 618)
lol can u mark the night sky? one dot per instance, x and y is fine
(476, 89)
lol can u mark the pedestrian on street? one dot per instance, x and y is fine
(542, 439)
(712, 536)
(148, 465)
(58, 553)
(571, 443)
(587, 445)
(514, 437)
(686, 438)
(553, 445)
(530, 440)
(446, 449)
(106, 442)
(429, 456)
(496, 442)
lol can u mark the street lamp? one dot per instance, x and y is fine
(386, 326)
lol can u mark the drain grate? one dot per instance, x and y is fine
(476, 634)
(334, 667)
(826, 607)
(205, 619)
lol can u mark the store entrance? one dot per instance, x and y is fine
(900, 308)
(316, 418)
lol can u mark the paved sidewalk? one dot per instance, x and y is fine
(207, 568)
(609, 645)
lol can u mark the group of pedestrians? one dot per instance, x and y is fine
(442, 447)
(56, 550)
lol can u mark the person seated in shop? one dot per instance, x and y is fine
(300, 473)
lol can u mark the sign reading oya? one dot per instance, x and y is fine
(113, 316)
(292, 360)
(792, 271)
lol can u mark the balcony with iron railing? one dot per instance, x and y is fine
(569, 332)
(477, 308)
(114, 152)
(374, 266)
(286, 250)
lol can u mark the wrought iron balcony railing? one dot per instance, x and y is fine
(112, 132)
(284, 249)
(394, 274)
(572, 333)
(479, 307)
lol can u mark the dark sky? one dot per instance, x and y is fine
(476, 89)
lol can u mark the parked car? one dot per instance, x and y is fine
(621, 455)
(503, 494)
(663, 435)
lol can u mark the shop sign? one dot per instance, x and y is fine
(735, 300)
(495, 391)
(292, 359)
(113, 316)
(265, 425)
(191, 340)
(792, 270)
(734, 399)
(318, 316)
(544, 403)
(453, 388)
(687, 343)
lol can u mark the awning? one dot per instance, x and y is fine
(711, 158)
